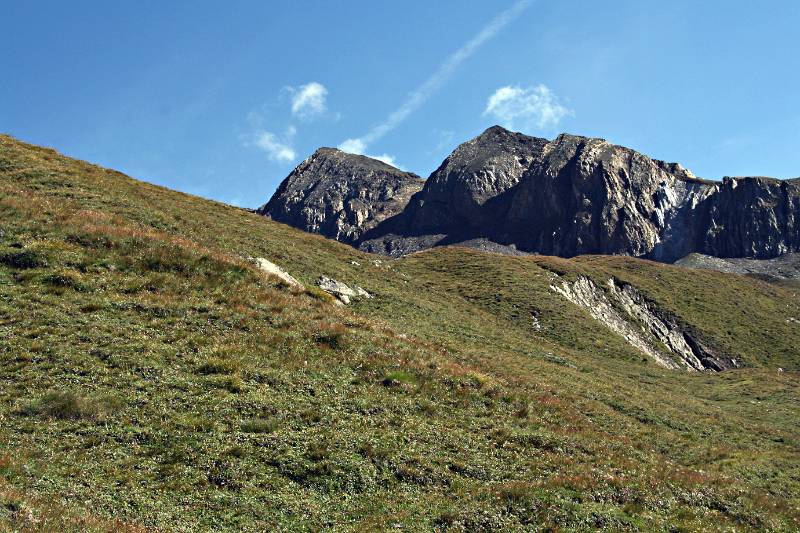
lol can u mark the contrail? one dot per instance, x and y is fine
(436, 80)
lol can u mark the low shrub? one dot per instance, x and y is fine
(163, 259)
(198, 423)
(318, 451)
(236, 451)
(222, 475)
(333, 336)
(232, 384)
(92, 307)
(63, 279)
(311, 416)
(396, 378)
(22, 259)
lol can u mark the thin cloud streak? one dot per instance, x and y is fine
(442, 74)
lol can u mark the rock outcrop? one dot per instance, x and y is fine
(652, 331)
(752, 217)
(340, 195)
(569, 196)
(341, 291)
(267, 266)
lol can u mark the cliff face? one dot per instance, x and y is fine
(587, 196)
(752, 217)
(573, 195)
(341, 195)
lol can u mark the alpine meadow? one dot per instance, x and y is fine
(372, 266)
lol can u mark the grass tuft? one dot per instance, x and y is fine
(68, 406)
(217, 365)
(259, 425)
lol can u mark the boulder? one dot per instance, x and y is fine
(272, 269)
(337, 289)
(342, 292)
(362, 293)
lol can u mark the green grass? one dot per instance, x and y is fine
(150, 377)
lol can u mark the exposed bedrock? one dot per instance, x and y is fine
(652, 331)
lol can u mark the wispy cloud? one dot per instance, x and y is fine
(306, 101)
(438, 78)
(277, 148)
(354, 146)
(388, 159)
(529, 107)
(357, 146)
(309, 100)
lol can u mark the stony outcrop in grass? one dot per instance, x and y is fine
(623, 309)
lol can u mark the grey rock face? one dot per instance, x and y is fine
(467, 193)
(569, 196)
(585, 196)
(340, 195)
(752, 217)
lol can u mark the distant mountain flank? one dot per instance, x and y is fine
(511, 192)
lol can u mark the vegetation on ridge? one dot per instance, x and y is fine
(151, 378)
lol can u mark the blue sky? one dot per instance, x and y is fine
(223, 99)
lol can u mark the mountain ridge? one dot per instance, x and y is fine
(575, 195)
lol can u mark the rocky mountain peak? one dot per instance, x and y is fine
(327, 150)
(492, 143)
(476, 172)
(354, 160)
(341, 195)
(494, 131)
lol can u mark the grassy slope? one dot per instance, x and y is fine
(149, 376)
